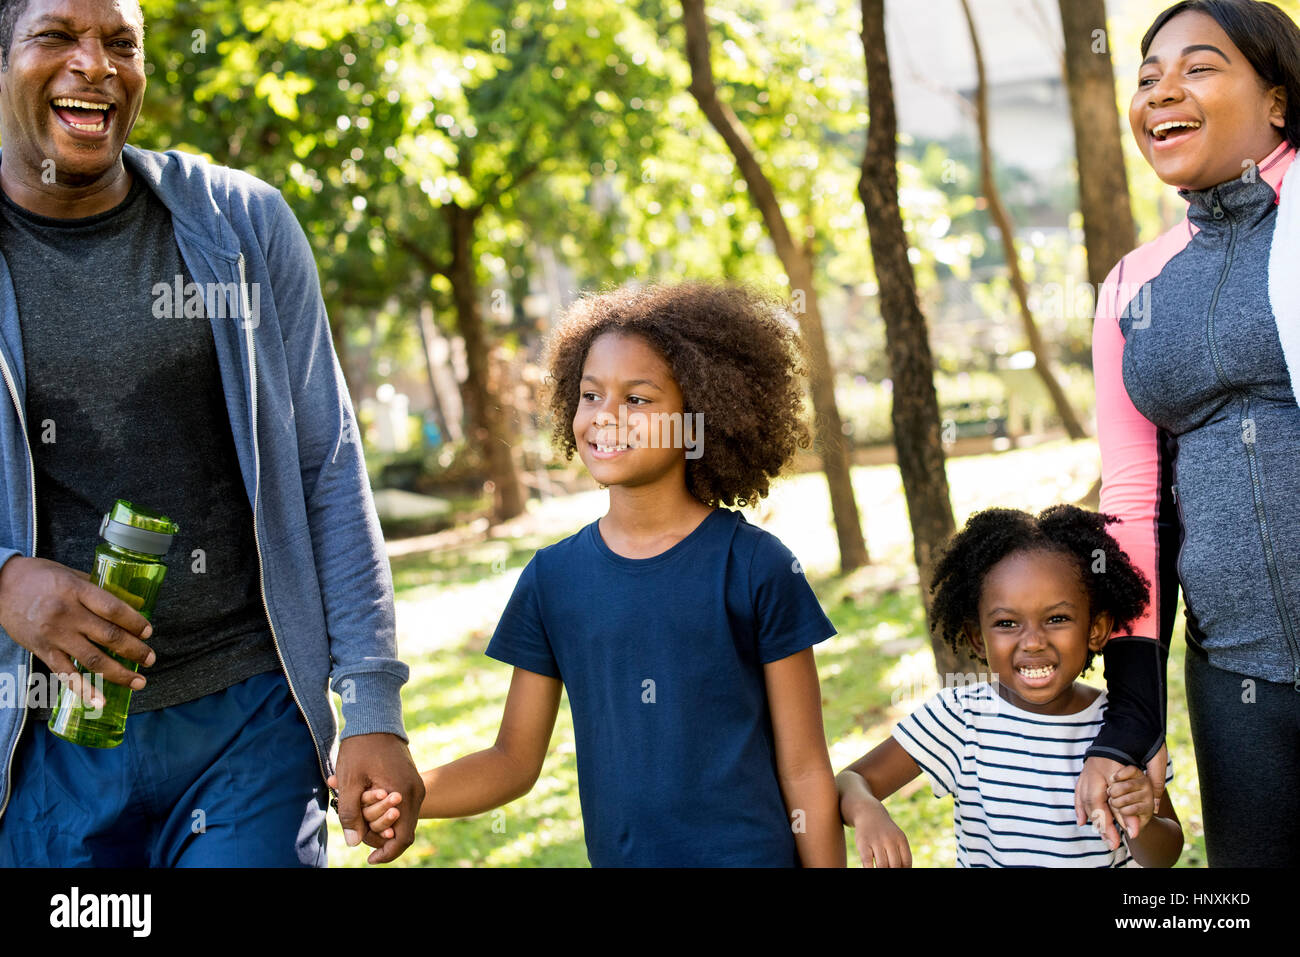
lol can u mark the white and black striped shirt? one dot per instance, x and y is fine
(1012, 774)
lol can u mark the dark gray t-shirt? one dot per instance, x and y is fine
(124, 400)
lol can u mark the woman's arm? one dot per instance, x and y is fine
(1136, 466)
(802, 762)
(507, 770)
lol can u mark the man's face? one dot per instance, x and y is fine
(73, 88)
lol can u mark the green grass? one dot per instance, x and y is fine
(449, 602)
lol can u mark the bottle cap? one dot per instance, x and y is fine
(138, 529)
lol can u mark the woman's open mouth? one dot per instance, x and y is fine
(84, 116)
(1172, 133)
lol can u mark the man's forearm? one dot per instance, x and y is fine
(351, 564)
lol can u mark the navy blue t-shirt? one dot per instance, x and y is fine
(663, 661)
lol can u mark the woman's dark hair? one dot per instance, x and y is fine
(735, 354)
(1113, 583)
(1267, 37)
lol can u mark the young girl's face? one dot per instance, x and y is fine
(1035, 629)
(624, 424)
(1195, 74)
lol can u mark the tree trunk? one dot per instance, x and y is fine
(489, 422)
(799, 267)
(425, 324)
(915, 410)
(1003, 222)
(1108, 229)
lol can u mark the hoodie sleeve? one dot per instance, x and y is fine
(351, 562)
(1136, 472)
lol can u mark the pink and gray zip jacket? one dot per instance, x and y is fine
(1200, 447)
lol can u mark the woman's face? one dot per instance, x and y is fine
(1196, 77)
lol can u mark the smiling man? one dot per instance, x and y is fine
(236, 424)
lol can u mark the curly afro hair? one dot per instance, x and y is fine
(737, 358)
(1113, 583)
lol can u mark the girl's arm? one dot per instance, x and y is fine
(490, 778)
(1160, 843)
(1159, 840)
(802, 762)
(863, 785)
(877, 774)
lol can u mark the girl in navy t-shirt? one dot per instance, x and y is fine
(683, 633)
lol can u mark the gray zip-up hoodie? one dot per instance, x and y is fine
(324, 574)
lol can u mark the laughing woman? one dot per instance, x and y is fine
(1196, 353)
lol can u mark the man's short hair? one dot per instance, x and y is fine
(10, 11)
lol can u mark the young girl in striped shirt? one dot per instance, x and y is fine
(1036, 599)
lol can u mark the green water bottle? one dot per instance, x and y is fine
(127, 565)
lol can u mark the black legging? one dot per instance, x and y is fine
(1248, 761)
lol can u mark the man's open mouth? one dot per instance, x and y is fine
(84, 115)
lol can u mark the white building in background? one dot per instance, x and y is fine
(930, 51)
(1029, 124)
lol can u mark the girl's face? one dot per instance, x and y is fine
(1196, 76)
(1035, 629)
(624, 424)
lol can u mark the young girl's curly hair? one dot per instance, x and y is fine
(1114, 584)
(737, 358)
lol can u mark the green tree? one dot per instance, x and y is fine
(797, 255)
(412, 138)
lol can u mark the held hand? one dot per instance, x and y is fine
(378, 762)
(378, 807)
(880, 842)
(1156, 769)
(1091, 803)
(1130, 795)
(57, 614)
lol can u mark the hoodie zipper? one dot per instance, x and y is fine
(31, 468)
(1270, 559)
(1257, 492)
(1217, 212)
(257, 493)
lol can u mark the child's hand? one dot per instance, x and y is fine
(379, 808)
(880, 842)
(1130, 793)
